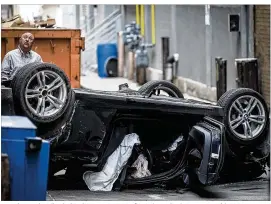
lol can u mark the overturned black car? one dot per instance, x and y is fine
(182, 141)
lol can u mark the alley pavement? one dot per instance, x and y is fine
(257, 190)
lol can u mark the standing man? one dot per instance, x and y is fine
(19, 57)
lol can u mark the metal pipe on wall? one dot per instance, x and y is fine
(208, 45)
(142, 20)
(121, 54)
(137, 15)
(165, 54)
(131, 65)
(153, 34)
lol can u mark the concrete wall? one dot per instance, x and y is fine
(186, 27)
(262, 46)
(191, 41)
(103, 11)
(163, 29)
(227, 44)
(190, 38)
(69, 16)
(129, 13)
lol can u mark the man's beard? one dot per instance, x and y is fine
(25, 49)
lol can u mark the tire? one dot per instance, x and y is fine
(53, 129)
(228, 101)
(25, 79)
(148, 87)
(129, 91)
(222, 98)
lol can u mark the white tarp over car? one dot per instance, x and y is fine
(105, 179)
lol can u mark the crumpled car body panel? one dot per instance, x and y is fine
(97, 127)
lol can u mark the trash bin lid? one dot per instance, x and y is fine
(18, 122)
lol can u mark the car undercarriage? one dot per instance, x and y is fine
(183, 142)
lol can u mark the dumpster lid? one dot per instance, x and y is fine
(16, 122)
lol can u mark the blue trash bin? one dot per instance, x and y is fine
(28, 159)
(105, 53)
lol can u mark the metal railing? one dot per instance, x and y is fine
(104, 32)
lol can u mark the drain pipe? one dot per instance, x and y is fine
(208, 46)
(142, 20)
(167, 71)
(131, 65)
(153, 34)
(121, 54)
(172, 66)
(137, 15)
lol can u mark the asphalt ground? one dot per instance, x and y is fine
(257, 190)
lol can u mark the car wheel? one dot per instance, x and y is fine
(222, 98)
(157, 86)
(53, 129)
(41, 91)
(246, 116)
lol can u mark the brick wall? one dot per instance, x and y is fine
(262, 46)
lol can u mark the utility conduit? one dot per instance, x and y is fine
(142, 20)
(137, 15)
(153, 34)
